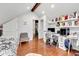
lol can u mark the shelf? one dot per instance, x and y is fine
(67, 27)
(72, 26)
(50, 22)
(71, 19)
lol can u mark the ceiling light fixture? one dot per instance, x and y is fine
(43, 12)
(52, 6)
(28, 8)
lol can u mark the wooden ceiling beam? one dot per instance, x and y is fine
(35, 7)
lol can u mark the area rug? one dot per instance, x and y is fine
(33, 54)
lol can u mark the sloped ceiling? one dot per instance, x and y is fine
(58, 10)
(11, 10)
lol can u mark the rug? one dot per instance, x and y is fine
(33, 54)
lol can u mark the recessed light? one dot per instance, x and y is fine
(43, 12)
(52, 6)
(28, 7)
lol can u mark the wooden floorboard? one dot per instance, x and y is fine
(39, 47)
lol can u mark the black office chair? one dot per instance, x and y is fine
(48, 41)
(66, 43)
(55, 40)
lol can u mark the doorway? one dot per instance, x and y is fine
(35, 28)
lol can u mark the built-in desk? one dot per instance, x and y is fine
(73, 40)
(52, 38)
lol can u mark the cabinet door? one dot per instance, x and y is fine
(61, 43)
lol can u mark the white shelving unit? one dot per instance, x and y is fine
(71, 19)
(53, 25)
(68, 20)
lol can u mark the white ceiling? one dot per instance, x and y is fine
(11, 10)
(58, 10)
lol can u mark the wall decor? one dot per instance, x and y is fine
(25, 23)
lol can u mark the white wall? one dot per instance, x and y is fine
(23, 23)
(42, 27)
(10, 29)
(26, 24)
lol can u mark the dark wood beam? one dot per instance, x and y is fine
(35, 6)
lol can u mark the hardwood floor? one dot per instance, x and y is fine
(38, 46)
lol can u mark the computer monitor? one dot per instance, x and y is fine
(51, 29)
(64, 31)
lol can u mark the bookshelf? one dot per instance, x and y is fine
(65, 23)
(68, 23)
